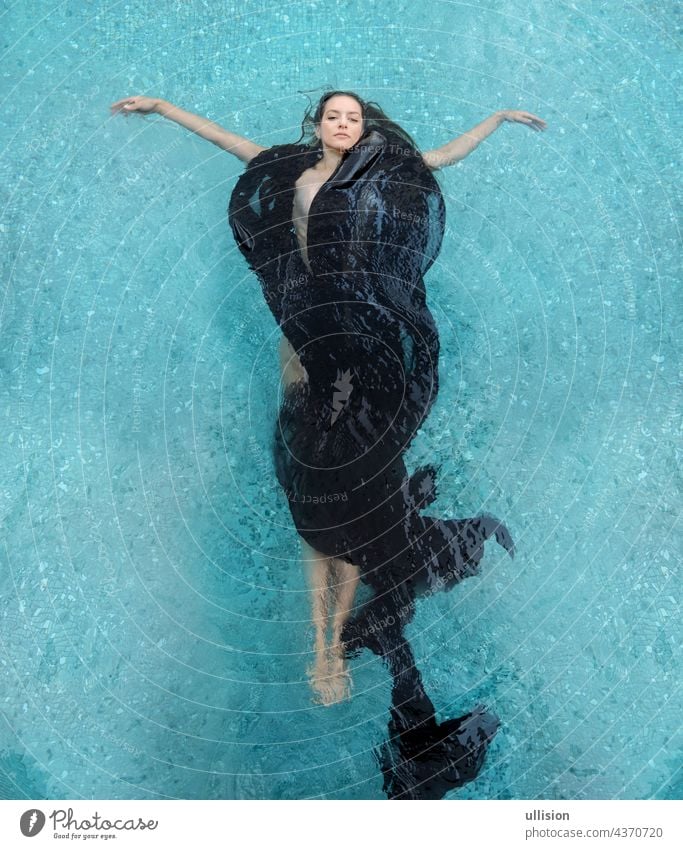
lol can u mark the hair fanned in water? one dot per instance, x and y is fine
(359, 316)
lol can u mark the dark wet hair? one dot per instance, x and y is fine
(374, 118)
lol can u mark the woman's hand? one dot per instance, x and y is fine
(520, 117)
(135, 104)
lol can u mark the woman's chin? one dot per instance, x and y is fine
(342, 144)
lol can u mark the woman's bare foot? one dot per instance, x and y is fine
(329, 677)
(321, 681)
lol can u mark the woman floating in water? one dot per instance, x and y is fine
(340, 232)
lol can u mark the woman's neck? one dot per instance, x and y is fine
(330, 159)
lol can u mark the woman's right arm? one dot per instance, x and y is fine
(242, 148)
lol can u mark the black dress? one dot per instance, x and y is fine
(359, 322)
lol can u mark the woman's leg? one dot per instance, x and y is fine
(318, 574)
(328, 684)
(329, 675)
(346, 577)
(290, 364)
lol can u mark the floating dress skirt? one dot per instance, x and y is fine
(358, 319)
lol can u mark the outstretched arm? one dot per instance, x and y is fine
(242, 148)
(458, 149)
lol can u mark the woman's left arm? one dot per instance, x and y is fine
(458, 149)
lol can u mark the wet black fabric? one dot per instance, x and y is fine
(359, 322)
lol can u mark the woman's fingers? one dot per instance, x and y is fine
(140, 103)
(123, 104)
(527, 118)
(536, 122)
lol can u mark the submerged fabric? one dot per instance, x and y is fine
(359, 322)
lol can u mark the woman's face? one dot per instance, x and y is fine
(341, 124)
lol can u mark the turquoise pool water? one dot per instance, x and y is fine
(155, 624)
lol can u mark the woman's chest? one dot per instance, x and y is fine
(306, 188)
